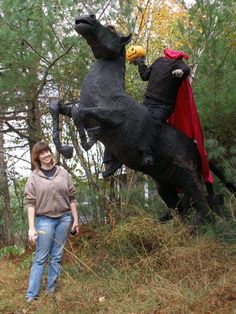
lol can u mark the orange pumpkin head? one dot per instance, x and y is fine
(134, 52)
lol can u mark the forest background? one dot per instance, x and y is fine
(41, 58)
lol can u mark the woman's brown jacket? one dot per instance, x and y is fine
(50, 197)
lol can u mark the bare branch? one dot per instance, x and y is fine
(18, 158)
(12, 129)
(14, 118)
(17, 146)
(44, 80)
(42, 57)
(104, 9)
(15, 111)
(225, 57)
(9, 130)
(23, 39)
(54, 32)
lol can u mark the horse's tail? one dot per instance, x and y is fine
(219, 172)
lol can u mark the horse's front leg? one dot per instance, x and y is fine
(56, 108)
(78, 121)
(105, 117)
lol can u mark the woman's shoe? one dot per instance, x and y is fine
(30, 300)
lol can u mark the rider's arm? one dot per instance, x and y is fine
(143, 69)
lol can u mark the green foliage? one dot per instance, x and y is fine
(137, 249)
(20, 224)
(209, 40)
(225, 156)
(133, 238)
(42, 57)
(223, 231)
(134, 85)
(11, 251)
(26, 263)
(214, 51)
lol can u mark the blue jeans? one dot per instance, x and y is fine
(52, 236)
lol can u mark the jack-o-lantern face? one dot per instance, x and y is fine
(134, 52)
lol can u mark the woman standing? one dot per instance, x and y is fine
(50, 194)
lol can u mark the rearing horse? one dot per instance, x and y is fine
(111, 116)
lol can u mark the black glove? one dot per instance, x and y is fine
(138, 61)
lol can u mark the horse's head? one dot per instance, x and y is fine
(104, 41)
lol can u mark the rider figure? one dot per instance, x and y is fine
(164, 77)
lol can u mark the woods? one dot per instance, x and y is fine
(42, 58)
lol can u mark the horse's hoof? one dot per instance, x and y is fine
(67, 151)
(111, 168)
(165, 217)
(87, 145)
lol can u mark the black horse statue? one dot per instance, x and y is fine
(111, 116)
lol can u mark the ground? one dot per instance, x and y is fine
(133, 269)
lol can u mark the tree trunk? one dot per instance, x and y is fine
(5, 209)
(33, 124)
(33, 117)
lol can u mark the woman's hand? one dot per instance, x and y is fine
(75, 228)
(32, 235)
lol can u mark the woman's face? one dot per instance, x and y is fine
(45, 158)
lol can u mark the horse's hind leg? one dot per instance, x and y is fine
(170, 197)
(79, 123)
(215, 201)
(189, 178)
(194, 188)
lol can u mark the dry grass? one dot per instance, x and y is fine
(139, 267)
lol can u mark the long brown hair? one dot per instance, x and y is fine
(37, 149)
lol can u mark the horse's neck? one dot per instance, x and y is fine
(112, 69)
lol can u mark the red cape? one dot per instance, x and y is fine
(185, 118)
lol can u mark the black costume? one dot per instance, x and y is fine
(160, 95)
(160, 98)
